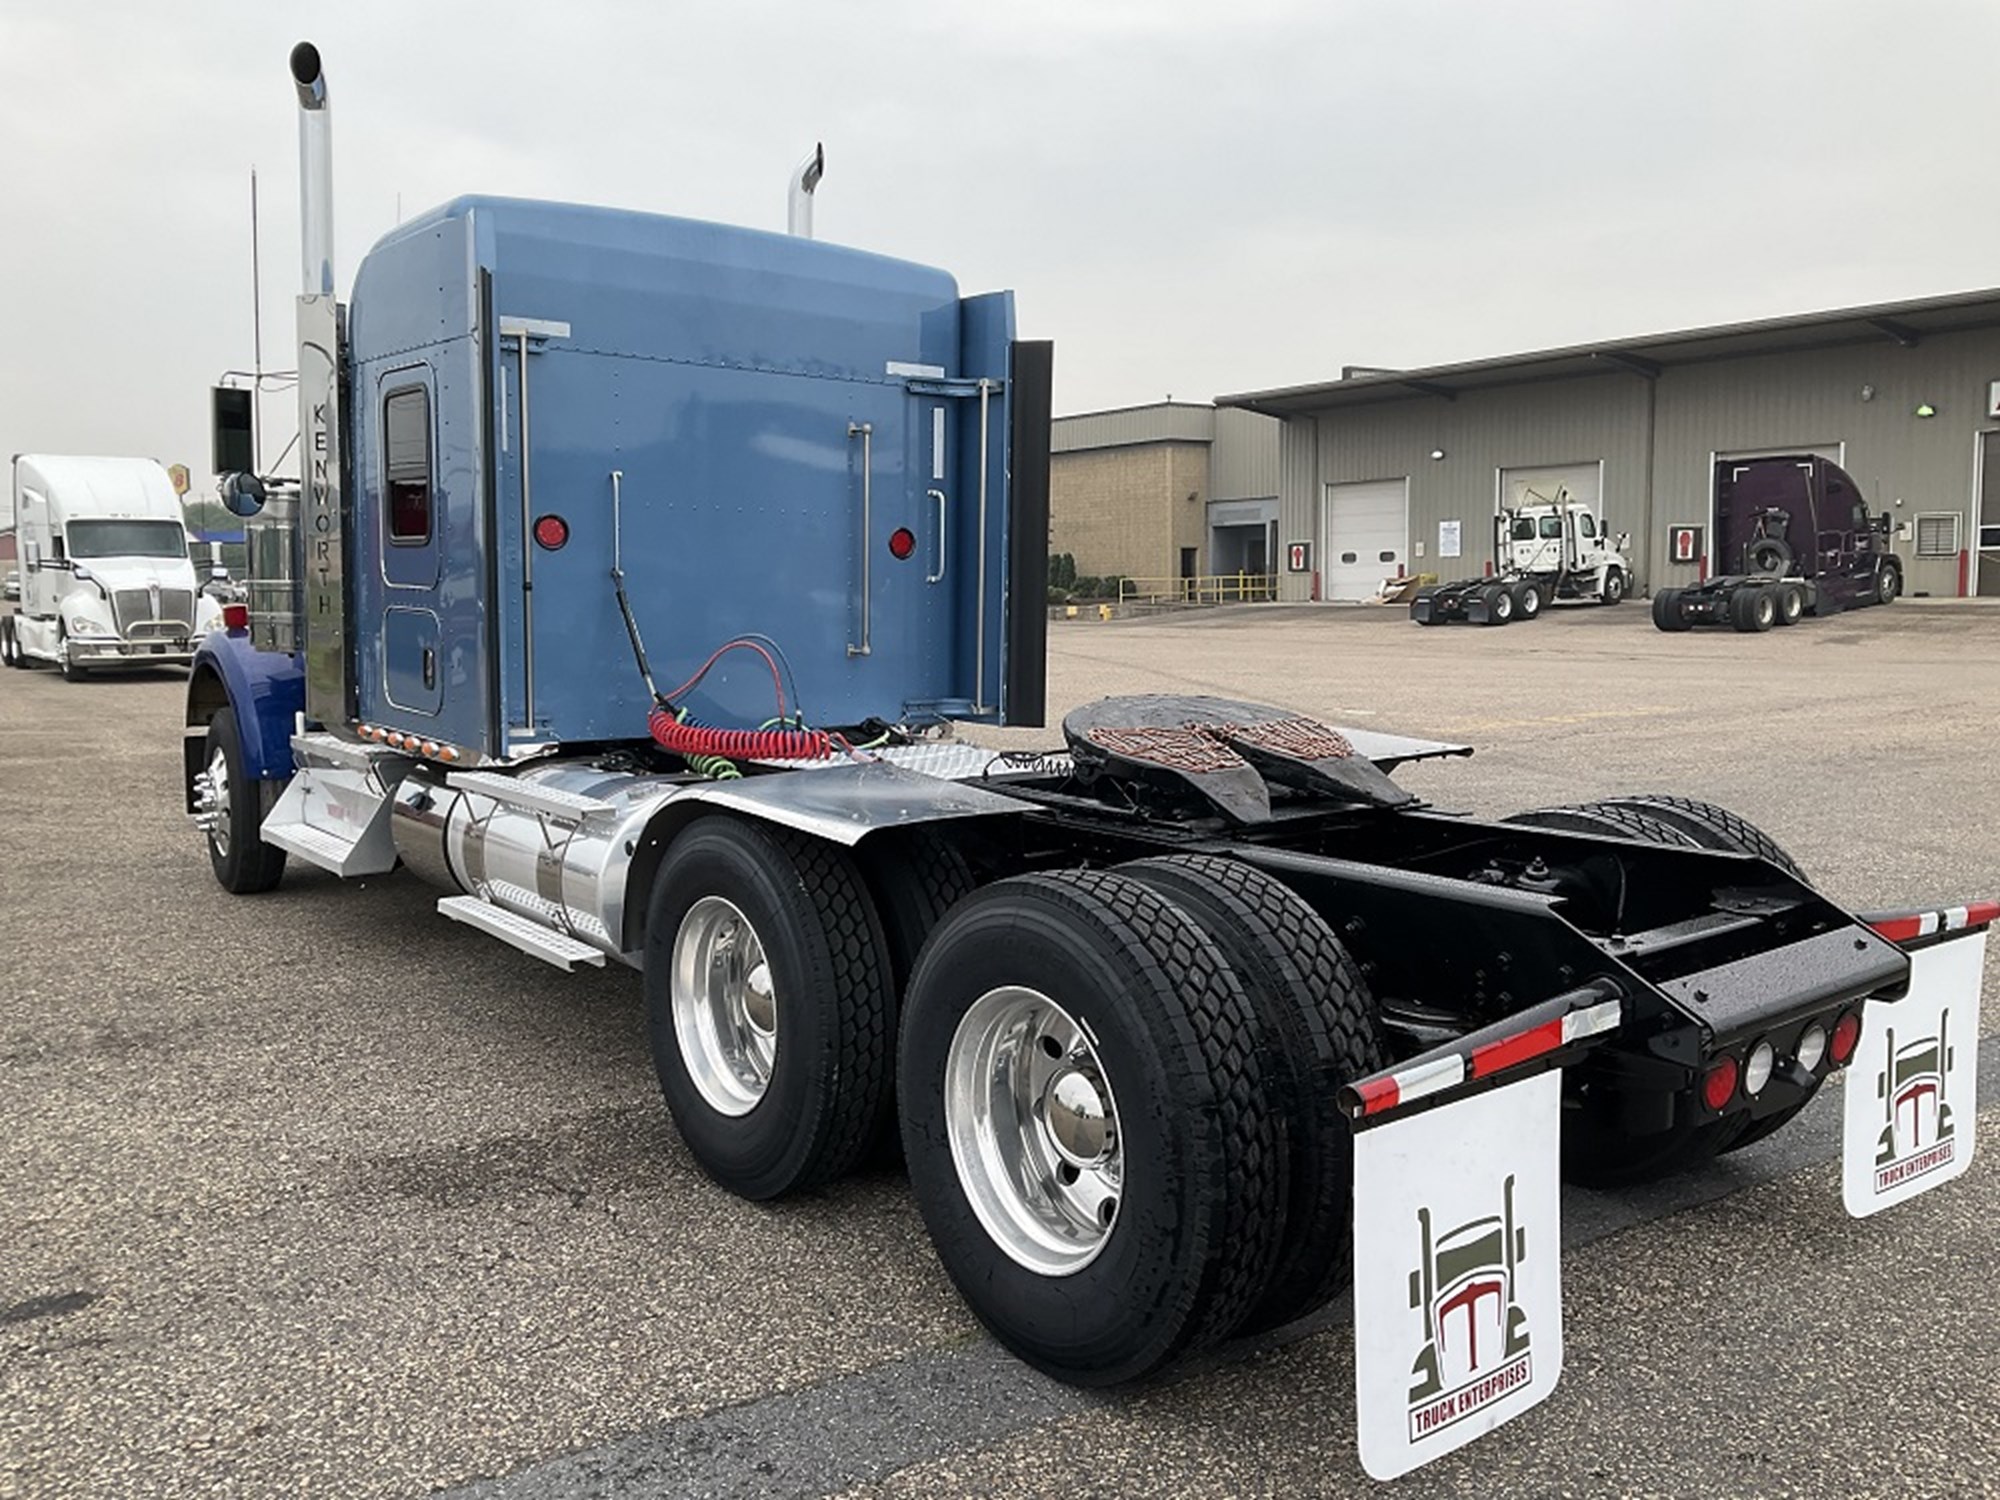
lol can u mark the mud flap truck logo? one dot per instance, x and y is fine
(1475, 1332)
(1917, 1136)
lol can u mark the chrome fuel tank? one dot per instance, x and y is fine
(560, 859)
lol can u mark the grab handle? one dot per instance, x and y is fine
(866, 432)
(938, 576)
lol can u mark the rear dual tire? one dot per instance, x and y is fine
(1753, 610)
(1668, 613)
(1083, 992)
(770, 1005)
(10, 644)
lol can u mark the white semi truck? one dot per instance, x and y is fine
(1545, 551)
(106, 579)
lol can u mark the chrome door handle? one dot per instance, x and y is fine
(938, 576)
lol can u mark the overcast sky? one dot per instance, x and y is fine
(1188, 198)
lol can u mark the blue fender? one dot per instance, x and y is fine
(267, 689)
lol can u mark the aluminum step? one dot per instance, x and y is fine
(517, 931)
(318, 847)
(553, 801)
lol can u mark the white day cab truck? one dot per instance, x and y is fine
(1545, 552)
(106, 579)
(1182, 1026)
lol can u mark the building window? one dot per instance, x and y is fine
(406, 448)
(1937, 534)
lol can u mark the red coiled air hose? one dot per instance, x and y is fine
(685, 739)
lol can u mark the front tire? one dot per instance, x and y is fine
(66, 664)
(769, 1003)
(233, 809)
(1087, 1125)
(1614, 587)
(1888, 584)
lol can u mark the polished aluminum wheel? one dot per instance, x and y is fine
(725, 1007)
(1034, 1130)
(211, 801)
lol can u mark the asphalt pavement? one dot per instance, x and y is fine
(315, 1193)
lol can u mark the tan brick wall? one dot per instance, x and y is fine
(1126, 510)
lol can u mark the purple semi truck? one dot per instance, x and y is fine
(1793, 536)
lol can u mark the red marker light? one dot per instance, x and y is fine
(235, 617)
(551, 532)
(1718, 1084)
(1846, 1035)
(902, 542)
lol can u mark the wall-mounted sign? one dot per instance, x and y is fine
(1449, 535)
(1684, 544)
(1298, 557)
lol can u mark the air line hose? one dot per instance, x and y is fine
(687, 739)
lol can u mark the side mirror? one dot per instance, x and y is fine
(218, 573)
(230, 449)
(31, 556)
(1885, 524)
(242, 494)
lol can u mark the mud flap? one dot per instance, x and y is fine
(1910, 1107)
(1458, 1277)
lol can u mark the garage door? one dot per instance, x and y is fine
(1540, 486)
(1364, 537)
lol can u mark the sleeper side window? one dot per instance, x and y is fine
(406, 448)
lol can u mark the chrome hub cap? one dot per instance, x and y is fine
(725, 1006)
(1033, 1127)
(211, 801)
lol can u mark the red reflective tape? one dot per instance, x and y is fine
(1378, 1094)
(1899, 929)
(1982, 913)
(1494, 1057)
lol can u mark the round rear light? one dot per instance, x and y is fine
(551, 532)
(1718, 1084)
(1812, 1047)
(902, 542)
(1846, 1036)
(1757, 1068)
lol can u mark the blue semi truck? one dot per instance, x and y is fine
(636, 574)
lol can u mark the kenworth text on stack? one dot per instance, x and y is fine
(637, 570)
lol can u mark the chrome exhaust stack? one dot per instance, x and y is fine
(315, 172)
(805, 178)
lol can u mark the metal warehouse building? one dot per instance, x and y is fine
(1380, 470)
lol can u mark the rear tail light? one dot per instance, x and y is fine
(551, 532)
(902, 542)
(1718, 1084)
(1757, 1068)
(1846, 1036)
(1812, 1047)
